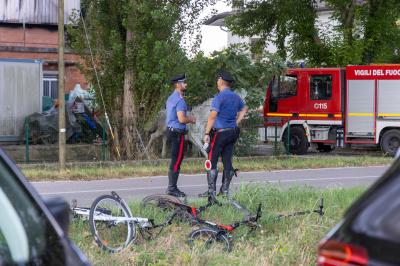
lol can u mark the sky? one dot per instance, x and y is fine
(213, 38)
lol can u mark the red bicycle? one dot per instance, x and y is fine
(210, 233)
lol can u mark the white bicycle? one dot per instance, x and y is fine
(113, 225)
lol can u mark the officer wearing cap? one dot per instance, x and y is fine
(227, 111)
(176, 128)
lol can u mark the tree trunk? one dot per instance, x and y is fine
(348, 21)
(128, 137)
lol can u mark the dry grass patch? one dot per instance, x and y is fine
(194, 166)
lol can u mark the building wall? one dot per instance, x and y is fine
(72, 74)
(28, 37)
(20, 95)
(40, 43)
(35, 11)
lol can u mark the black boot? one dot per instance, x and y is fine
(222, 182)
(172, 187)
(226, 181)
(212, 181)
(205, 193)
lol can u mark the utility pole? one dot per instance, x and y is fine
(61, 97)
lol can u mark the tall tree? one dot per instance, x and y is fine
(364, 31)
(137, 47)
(368, 31)
(276, 20)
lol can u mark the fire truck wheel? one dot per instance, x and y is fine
(390, 141)
(321, 147)
(298, 141)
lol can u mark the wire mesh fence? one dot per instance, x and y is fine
(88, 139)
(35, 138)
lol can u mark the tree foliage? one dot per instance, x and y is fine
(137, 48)
(369, 29)
(363, 31)
(251, 77)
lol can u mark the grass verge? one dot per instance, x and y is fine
(292, 241)
(194, 166)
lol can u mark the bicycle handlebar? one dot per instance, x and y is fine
(319, 211)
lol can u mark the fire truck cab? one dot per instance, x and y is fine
(330, 107)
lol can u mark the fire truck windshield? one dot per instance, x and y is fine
(284, 86)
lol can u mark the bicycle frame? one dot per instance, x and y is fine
(250, 220)
(195, 211)
(143, 222)
(222, 233)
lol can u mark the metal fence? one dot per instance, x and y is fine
(36, 139)
(87, 140)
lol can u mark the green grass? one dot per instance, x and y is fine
(193, 166)
(292, 241)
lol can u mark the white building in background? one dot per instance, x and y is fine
(324, 20)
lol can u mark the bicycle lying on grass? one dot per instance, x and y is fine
(220, 234)
(211, 233)
(114, 227)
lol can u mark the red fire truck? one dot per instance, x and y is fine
(329, 107)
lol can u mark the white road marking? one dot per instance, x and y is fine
(202, 174)
(204, 185)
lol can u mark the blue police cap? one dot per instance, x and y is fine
(178, 78)
(225, 76)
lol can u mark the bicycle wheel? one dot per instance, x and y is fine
(110, 225)
(168, 204)
(162, 201)
(209, 238)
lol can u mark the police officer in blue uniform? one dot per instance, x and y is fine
(227, 111)
(176, 129)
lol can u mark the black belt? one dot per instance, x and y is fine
(177, 130)
(224, 129)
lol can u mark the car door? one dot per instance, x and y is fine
(29, 234)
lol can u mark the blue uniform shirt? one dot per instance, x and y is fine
(227, 104)
(175, 103)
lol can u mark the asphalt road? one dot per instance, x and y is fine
(129, 188)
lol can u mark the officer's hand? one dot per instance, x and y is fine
(206, 139)
(192, 119)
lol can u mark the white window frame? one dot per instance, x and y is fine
(52, 80)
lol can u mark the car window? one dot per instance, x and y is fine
(380, 219)
(283, 86)
(5, 254)
(26, 236)
(13, 231)
(288, 86)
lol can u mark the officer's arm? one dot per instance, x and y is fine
(241, 114)
(183, 118)
(211, 120)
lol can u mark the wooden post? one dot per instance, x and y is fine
(61, 97)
